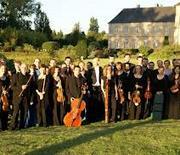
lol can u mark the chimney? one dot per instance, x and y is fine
(138, 6)
(157, 5)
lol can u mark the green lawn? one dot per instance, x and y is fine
(127, 137)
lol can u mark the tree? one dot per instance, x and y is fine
(93, 26)
(17, 13)
(41, 23)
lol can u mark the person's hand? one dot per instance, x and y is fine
(24, 87)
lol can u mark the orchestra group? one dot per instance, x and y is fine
(71, 95)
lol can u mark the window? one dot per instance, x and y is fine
(145, 42)
(126, 43)
(125, 30)
(155, 44)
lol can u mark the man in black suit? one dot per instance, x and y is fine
(74, 84)
(97, 106)
(21, 98)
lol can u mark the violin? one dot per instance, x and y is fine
(4, 99)
(176, 87)
(136, 99)
(60, 95)
(121, 94)
(73, 118)
(148, 94)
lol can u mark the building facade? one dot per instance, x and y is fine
(132, 28)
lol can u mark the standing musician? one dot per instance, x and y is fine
(174, 104)
(42, 91)
(96, 76)
(138, 86)
(160, 86)
(4, 102)
(20, 87)
(108, 86)
(58, 99)
(122, 91)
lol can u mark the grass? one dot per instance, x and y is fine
(128, 137)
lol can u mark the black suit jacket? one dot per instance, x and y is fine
(93, 76)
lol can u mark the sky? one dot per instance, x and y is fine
(63, 14)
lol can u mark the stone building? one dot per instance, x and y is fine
(134, 27)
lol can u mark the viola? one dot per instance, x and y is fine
(136, 99)
(148, 94)
(60, 95)
(121, 94)
(4, 99)
(176, 87)
(73, 118)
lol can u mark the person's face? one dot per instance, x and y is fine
(127, 67)
(145, 62)
(76, 71)
(89, 66)
(166, 64)
(42, 70)
(177, 70)
(127, 58)
(159, 63)
(81, 65)
(52, 63)
(17, 66)
(2, 70)
(109, 71)
(151, 66)
(56, 71)
(118, 66)
(23, 68)
(161, 70)
(68, 61)
(37, 62)
(140, 60)
(32, 70)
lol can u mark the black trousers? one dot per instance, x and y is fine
(22, 109)
(98, 105)
(134, 111)
(41, 114)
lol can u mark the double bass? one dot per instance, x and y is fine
(73, 118)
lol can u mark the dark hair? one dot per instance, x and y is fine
(67, 58)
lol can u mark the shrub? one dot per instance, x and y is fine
(50, 47)
(81, 48)
(145, 50)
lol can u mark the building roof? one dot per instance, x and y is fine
(152, 14)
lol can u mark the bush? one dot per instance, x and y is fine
(81, 49)
(27, 48)
(50, 47)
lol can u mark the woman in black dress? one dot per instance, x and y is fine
(58, 99)
(160, 86)
(4, 87)
(42, 91)
(138, 85)
(174, 105)
(122, 91)
(108, 87)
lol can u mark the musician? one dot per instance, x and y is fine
(112, 63)
(68, 62)
(98, 106)
(42, 91)
(167, 66)
(21, 94)
(127, 59)
(174, 105)
(138, 86)
(161, 92)
(37, 63)
(4, 103)
(159, 65)
(32, 120)
(108, 83)
(139, 60)
(74, 84)
(58, 99)
(121, 83)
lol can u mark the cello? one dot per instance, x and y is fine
(73, 118)
(148, 94)
(4, 99)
